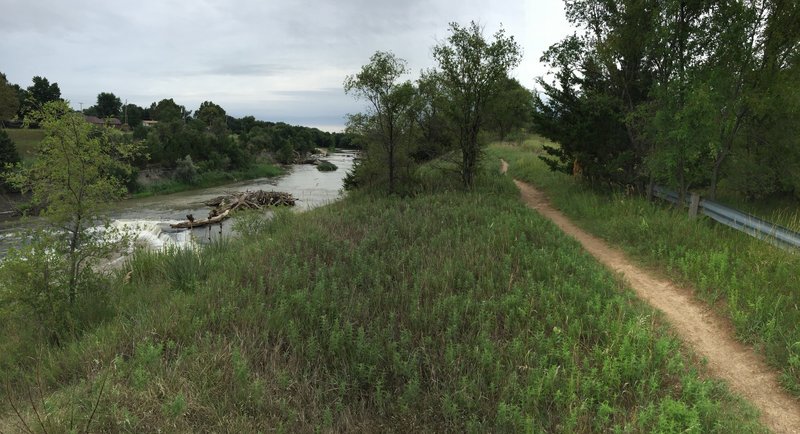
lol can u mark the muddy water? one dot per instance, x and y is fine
(149, 218)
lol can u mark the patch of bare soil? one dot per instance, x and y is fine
(708, 334)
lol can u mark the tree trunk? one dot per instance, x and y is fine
(391, 169)
(73, 261)
(712, 194)
(681, 184)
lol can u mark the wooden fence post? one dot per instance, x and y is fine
(694, 205)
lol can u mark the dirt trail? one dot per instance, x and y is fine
(708, 334)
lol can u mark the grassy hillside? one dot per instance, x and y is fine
(751, 282)
(447, 312)
(26, 140)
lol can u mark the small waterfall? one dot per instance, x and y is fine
(155, 235)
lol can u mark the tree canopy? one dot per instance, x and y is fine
(210, 113)
(74, 178)
(9, 100)
(167, 110)
(108, 105)
(388, 119)
(686, 93)
(472, 70)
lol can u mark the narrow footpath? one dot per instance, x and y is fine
(708, 334)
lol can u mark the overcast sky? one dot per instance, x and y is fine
(275, 60)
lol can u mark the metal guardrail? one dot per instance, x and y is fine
(738, 220)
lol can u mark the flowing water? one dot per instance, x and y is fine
(149, 218)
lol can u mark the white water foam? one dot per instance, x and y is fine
(154, 235)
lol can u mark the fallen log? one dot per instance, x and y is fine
(200, 223)
(224, 206)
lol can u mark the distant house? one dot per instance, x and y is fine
(149, 124)
(110, 122)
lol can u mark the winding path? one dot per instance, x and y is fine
(708, 334)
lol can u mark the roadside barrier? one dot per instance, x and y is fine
(734, 218)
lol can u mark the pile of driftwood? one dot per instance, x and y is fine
(224, 206)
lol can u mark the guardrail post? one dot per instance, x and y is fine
(694, 205)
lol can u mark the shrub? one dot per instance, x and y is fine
(186, 171)
(326, 166)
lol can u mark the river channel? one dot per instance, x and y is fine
(150, 218)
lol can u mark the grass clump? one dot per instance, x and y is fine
(751, 282)
(326, 166)
(445, 312)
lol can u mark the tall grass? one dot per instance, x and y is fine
(445, 312)
(751, 282)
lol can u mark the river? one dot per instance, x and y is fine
(149, 218)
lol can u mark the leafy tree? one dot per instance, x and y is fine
(73, 180)
(678, 91)
(108, 105)
(211, 114)
(510, 108)
(602, 77)
(40, 93)
(472, 69)
(186, 170)
(429, 111)
(8, 154)
(91, 111)
(578, 114)
(246, 124)
(388, 119)
(9, 101)
(167, 110)
(133, 115)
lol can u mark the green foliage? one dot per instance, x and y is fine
(108, 105)
(8, 155)
(73, 179)
(186, 171)
(9, 100)
(211, 114)
(167, 110)
(509, 109)
(326, 166)
(681, 93)
(472, 71)
(587, 121)
(133, 115)
(286, 153)
(167, 142)
(37, 95)
(37, 282)
(388, 121)
(434, 134)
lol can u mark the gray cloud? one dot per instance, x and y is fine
(273, 58)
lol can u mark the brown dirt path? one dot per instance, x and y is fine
(709, 335)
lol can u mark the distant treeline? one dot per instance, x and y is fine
(211, 138)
